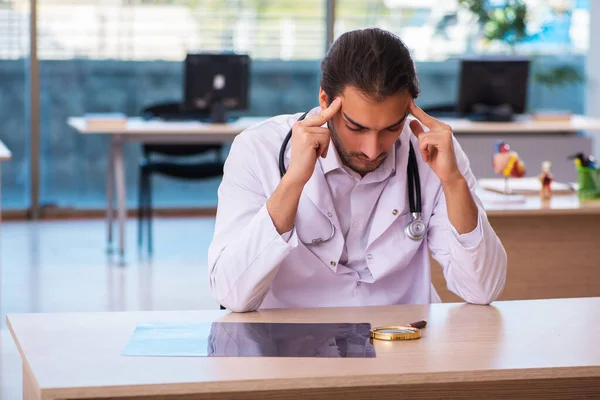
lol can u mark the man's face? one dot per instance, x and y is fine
(364, 130)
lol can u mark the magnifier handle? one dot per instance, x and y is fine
(418, 324)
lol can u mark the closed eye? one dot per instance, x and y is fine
(355, 129)
(398, 126)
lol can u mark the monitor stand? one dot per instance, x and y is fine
(218, 112)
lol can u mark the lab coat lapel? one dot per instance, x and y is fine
(393, 202)
(317, 190)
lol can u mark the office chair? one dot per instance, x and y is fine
(165, 159)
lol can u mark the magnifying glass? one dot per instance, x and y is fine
(399, 332)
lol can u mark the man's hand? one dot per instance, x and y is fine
(436, 146)
(437, 149)
(309, 141)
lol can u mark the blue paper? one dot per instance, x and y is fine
(169, 339)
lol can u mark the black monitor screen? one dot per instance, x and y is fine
(211, 77)
(486, 83)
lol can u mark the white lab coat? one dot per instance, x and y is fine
(252, 266)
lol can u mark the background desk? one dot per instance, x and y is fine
(534, 141)
(526, 125)
(139, 130)
(531, 349)
(553, 249)
(478, 149)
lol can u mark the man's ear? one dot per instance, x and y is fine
(323, 99)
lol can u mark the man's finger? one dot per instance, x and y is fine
(325, 147)
(317, 130)
(324, 152)
(422, 116)
(325, 115)
(324, 140)
(320, 139)
(416, 127)
(424, 148)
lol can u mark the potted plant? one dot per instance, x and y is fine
(505, 24)
(508, 25)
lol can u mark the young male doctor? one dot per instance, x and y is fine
(346, 184)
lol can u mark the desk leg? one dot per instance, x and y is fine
(121, 195)
(30, 391)
(110, 185)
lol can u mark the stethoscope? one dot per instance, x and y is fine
(415, 229)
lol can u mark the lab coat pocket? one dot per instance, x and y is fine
(393, 248)
(405, 245)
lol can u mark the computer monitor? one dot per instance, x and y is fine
(493, 89)
(216, 83)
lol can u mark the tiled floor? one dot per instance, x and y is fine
(62, 266)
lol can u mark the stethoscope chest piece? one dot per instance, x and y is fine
(416, 228)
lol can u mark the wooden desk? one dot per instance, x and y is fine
(529, 349)
(552, 248)
(155, 131)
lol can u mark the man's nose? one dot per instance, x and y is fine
(370, 147)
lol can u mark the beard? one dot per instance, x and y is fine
(350, 160)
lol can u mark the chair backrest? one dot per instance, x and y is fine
(174, 110)
(180, 150)
(160, 109)
(440, 108)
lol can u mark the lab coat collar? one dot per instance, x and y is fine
(333, 162)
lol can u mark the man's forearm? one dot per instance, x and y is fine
(283, 204)
(244, 256)
(462, 210)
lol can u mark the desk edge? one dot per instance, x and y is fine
(26, 366)
(326, 382)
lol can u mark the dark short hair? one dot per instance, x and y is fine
(374, 61)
